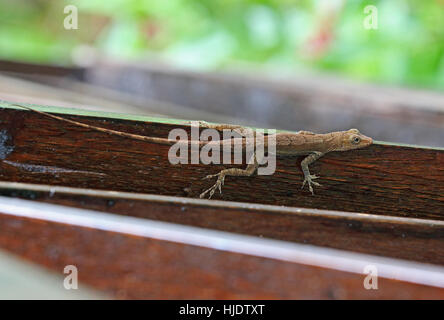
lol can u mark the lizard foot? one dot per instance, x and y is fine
(309, 180)
(218, 185)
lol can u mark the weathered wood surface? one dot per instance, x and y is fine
(419, 240)
(383, 179)
(15, 89)
(65, 86)
(128, 257)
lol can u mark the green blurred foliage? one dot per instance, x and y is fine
(407, 48)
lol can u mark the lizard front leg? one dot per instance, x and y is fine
(250, 170)
(308, 178)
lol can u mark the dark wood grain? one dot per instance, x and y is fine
(126, 264)
(405, 238)
(382, 179)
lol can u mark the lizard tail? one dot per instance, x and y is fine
(109, 131)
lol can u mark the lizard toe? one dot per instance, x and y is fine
(309, 181)
(210, 176)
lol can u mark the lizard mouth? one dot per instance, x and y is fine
(366, 141)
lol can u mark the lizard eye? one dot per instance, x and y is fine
(356, 140)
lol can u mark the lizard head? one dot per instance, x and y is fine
(353, 139)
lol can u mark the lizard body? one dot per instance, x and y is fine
(306, 143)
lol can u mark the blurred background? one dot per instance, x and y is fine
(317, 65)
(282, 35)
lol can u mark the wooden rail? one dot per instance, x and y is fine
(384, 179)
(419, 240)
(129, 257)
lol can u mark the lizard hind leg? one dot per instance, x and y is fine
(241, 130)
(250, 170)
(308, 177)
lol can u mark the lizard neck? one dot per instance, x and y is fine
(333, 141)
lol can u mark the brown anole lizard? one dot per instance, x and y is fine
(306, 143)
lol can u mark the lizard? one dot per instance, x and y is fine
(301, 143)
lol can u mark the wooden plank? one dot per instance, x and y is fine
(384, 179)
(147, 105)
(45, 82)
(419, 240)
(14, 89)
(128, 257)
